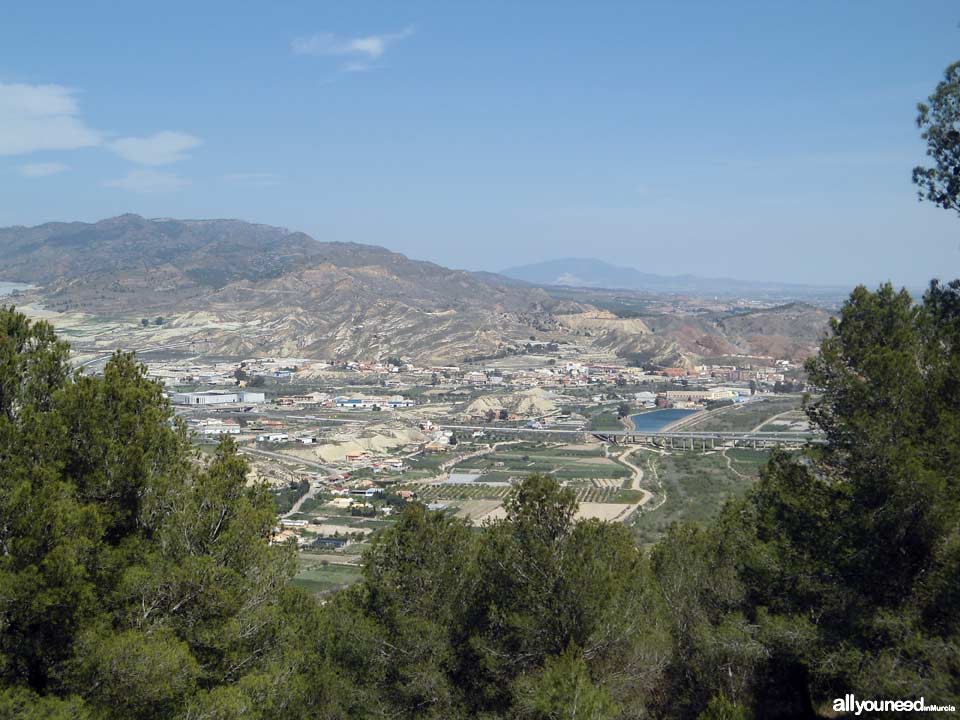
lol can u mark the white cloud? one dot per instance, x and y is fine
(162, 148)
(149, 182)
(41, 117)
(257, 179)
(42, 169)
(362, 52)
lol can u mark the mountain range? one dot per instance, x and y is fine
(235, 288)
(593, 273)
(255, 288)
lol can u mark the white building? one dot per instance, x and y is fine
(273, 437)
(645, 398)
(353, 403)
(217, 397)
(695, 396)
(400, 402)
(216, 428)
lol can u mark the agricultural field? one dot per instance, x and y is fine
(318, 576)
(444, 492)
(605, 421)
(692, 486)
(745, 417)
(448, 491)
(566, 463)
(327, 520)
(478, 510)
(418, 468)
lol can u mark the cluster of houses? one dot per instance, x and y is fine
(573, 374)
(699, 396)
(560, 374)
(215, 427)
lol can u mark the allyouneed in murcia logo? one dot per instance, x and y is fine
(849, 703)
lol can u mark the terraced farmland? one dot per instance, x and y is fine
(480, 491)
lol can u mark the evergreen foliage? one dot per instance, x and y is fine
(137, 579)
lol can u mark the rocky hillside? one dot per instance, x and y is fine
(236, 288)
(255, 288)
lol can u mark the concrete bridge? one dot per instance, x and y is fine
(679, 439)
(706, 439)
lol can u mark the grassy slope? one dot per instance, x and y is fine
(696, 486)
(746, 417)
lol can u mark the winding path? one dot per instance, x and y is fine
(634, 485)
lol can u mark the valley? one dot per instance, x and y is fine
(355, 380)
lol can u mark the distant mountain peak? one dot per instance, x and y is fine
(593, 274)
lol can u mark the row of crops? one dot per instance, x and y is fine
(541, 464)
(598, 495)
(479, 491)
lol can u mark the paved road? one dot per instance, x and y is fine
(634, 485)
(677, 435)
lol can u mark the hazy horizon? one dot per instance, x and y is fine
(763, 143)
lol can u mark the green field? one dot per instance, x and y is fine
(605, 421)
(553, 450)
(748, 461)
(426, 462)
(745, 417)
(318, 577)
(480, 491)
(345, 520)
(696, 486)
(563, 464)
(313, 504)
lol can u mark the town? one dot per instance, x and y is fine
(344, 444)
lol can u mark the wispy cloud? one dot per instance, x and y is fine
(163, 148)
(35, 170)
(362, 53)
(256, 179)
(41, 117)
(149, 182)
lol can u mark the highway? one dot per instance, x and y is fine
(648, 436)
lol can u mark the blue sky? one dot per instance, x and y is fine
(749, 140)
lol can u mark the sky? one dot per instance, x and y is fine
(753, 140)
